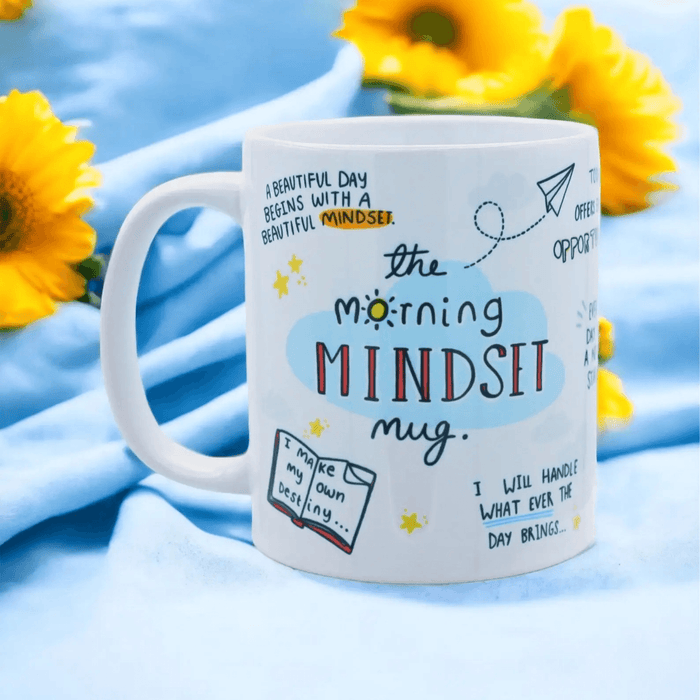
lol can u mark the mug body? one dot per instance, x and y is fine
(422, 344)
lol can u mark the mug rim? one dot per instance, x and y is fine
(279, 133)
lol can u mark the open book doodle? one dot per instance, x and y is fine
(329, 496)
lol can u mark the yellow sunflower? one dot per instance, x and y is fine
(614, 408)
(606, 344)
(626, 98)
(44, 181)
(434, 47)
(13, 9)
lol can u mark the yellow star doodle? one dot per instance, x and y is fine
(295, 264)
(280, 284)
(410, 522)
(316, 427)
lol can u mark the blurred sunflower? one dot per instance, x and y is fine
(620, 92)
(606, 344)
(586, 73)
(44, 181)
(13, 9)
(614, 408)
(434, 47)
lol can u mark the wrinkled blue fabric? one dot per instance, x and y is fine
(116, 583)
(60, 447)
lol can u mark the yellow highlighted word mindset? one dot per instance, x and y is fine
(356, 218)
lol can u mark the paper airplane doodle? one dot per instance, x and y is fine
(553, 188)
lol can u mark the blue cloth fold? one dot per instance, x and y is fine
(173, 601)
(60, 449)
(116, 583)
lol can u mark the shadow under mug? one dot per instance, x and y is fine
(421, 301)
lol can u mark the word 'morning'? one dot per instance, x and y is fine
(501, 371)
(425, 312)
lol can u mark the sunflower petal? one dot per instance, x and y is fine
(491, 37)
(53, 278)
(629, 102)
(20, 302)
(71, 239)
(606, 343)
(45, 183)
(13, 9)
(615, 410)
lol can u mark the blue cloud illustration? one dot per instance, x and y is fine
(428, 349)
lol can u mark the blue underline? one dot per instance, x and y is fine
(518, 518)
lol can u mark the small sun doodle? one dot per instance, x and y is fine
(378, 310)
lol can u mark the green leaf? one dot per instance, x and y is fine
(90, 298)
(91, 268)
(391, 85)
(541, 103)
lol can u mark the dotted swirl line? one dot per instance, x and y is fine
(500, 236)
(479, 229)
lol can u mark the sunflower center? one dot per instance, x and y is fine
(430, 25)
(9, 238)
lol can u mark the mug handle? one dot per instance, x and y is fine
(125, 390)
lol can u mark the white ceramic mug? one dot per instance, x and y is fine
(421, 343)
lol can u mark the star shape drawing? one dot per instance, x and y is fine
(410, 522)
(295, 264)
(316, 427)
(280, 284)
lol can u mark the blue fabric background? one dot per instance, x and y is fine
(115, 583)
